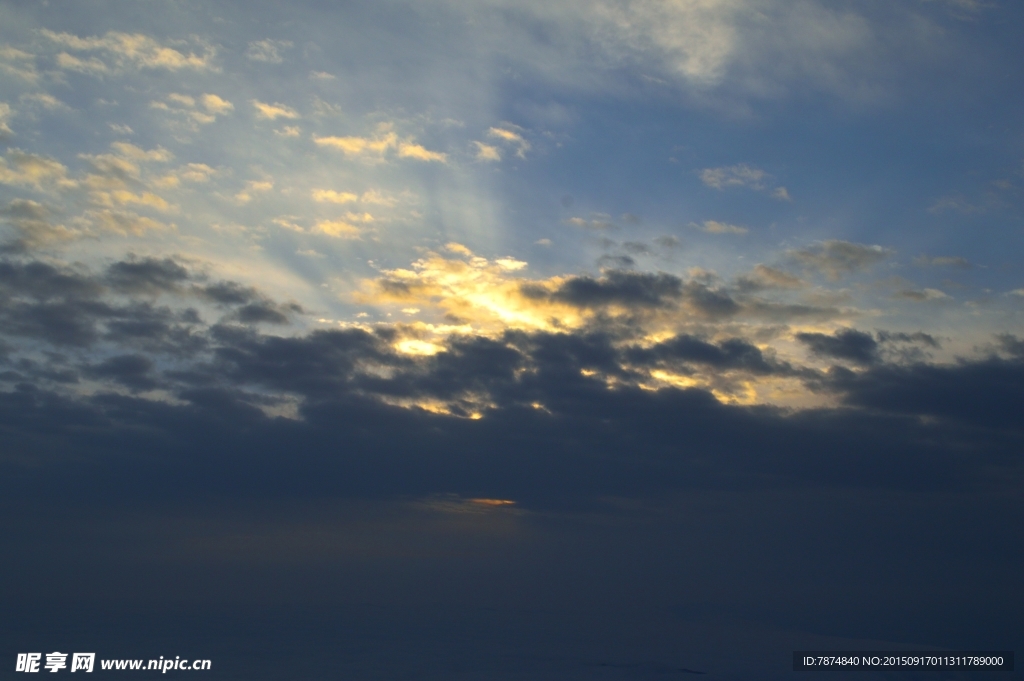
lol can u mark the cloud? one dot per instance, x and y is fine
(41, 172)
(253, 188)
(599, 221)
(146, 275)
(126, 51)
(486, 152)
(742, 175)
(33, 226)
(385, 141)
(920, 296)
(18, 63)
(45, 100)
(764, 277)
(509, 137)
(942, 261)
(715, 227)
(370, 196)
(331, 196)
(123, 222)
(116, 178)
(5, 115)
(420, 153)
(338, 229)
(268, 51)
(849, 344)
(273, 111)
(836, 258)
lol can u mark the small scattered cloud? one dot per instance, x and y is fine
(942, 261)
(332, 196)
(921, 296)
(214, 104)
(273, 111)
(837, 258)
(377, 147)
(41, 172)
(599, 221)
(955, 203)
(322, 75)
(716, 227)
(268, 51)
(193, 172)
(123, 222)
(486, 152)
(743, 175)
(253, 188)
(289, 131)
(5, 115)
(198, 111)
(126, 50)
(338, 229)
(18, 63)
(764, 277)
(323, 108)
(45, 100)
(510, 137)
(32, 224)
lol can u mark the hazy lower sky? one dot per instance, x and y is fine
(593, 339)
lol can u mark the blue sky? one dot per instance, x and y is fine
(616, 263)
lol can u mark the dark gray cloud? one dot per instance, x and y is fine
(624, 495)
(618, 287)
(862, 348)
(146, 275)
(733, 353)
(848, 344)
(131, 371)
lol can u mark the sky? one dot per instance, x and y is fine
(506, 339)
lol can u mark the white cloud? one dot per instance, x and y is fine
(267, 50)
(40, 172)
(215, 104)
(385, 141)
(338, 229)
(252, 188)
(486, 152)
(742, 175)
(273, 111)
(31, 222)
(511, 137)
(331, 196)
(124, 222)
(45, 100)
(202, 112)
(126, 50)
(596, 221)
(18, 63)
(5, 115)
